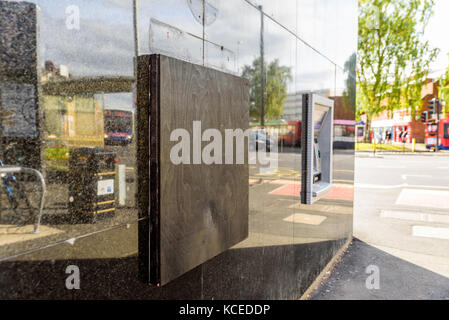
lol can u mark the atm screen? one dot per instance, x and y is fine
(318, 118)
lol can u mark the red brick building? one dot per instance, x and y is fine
(402, 120)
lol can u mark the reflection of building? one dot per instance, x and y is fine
(74, 113)
(50, 72)
(71, 122)
(293, 104)
(344, 124)
(343, 110)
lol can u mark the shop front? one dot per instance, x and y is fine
(403, 132)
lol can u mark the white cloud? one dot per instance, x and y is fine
(436, 33)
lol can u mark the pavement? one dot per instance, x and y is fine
(276, 215)
(399, 278)
(401, 232)
(405, 148)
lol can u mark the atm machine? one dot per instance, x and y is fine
(316, 141)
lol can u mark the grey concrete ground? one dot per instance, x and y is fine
(289, 165)
(401, 226)
(399, 279)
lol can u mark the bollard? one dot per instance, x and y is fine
(121, 184)
(413, 144)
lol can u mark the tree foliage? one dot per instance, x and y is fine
(276, 79)
(393, 59)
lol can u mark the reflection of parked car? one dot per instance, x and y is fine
(258, 139)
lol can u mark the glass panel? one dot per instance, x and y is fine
(344, 117)
(328, 27)
(284, 12)
(172, 27)
(171, 41)
(85, 64)
(318, 118)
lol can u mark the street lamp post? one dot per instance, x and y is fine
(238, 55)
(437, 104)
(435, 108)
(136, 35)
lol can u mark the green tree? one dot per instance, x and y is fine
(276, 80)
(393, 60)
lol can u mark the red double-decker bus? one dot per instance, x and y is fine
(288, 132)
(118, 127)
(432, 129)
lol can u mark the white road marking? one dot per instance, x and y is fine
(404, 176)
(380, 186)
(424, 198)
(430, 232)
(390, 167)
(415, 216)
(403, 185)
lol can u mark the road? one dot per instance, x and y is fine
(289, 163)
(411, 201)
(401, 226)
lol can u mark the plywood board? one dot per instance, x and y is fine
(196, 210)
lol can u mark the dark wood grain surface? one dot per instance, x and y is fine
(203, 208)
(189, 212)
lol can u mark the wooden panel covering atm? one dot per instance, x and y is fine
(189, 212)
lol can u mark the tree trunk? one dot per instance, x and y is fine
(368, 129)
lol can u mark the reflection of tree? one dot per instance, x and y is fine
(276, 79)
(350, 82)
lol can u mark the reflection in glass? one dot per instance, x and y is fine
(18, 110)
(319, 115)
